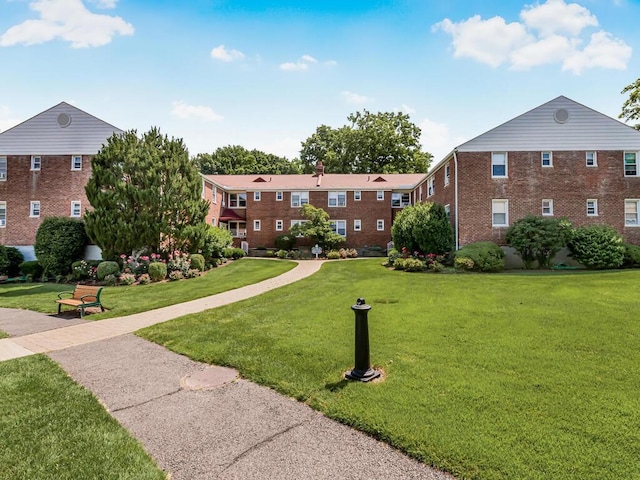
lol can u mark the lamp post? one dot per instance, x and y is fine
(362, 370)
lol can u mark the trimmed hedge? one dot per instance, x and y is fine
(486, 256)
(157, 271)
(234, 253)
(197, 262)
(285, 241)
(59, 242)
(597, 247)
(107, 268)
(32, 267)
(631, 256)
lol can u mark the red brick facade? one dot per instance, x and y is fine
(55, 186)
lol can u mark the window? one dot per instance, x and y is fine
(357, 195)
(3, 214)
(34, 209)
(630, 213)
(547, 159)
(214, 221)
(76, 162)
(238, 229)
(447, 174)
(339, 227)
(337, 199)
(36, 162)
(592, 208)
(279, 225)
(256, 225)
(380, 225)
(224, 199)
(499, 165)
(630, 164)
(76, 209)
(215, 194)
(3, 168)
(592, 159)
(500, 213)
(380, 195)
(299, 198)
(447, 210)
(547, 207)
(400, 200)
(431, 186)
(237, 200)
(357, 225)
(278, 196)
(256, 196)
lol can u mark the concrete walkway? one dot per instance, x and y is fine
(200, 421)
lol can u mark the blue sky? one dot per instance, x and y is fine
(266, 74)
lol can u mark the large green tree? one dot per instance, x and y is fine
(423, 227)
(631, 107)
(383, 142)
(317, 227)
(146, 194)
(237, 160)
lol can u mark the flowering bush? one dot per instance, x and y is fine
(463, 263)
(409, 264)
(127, 278)
(144, 279)
(84, 270)
(180, 262)
(138, 265)
(176, 275)
(192, 273)
(333, 255)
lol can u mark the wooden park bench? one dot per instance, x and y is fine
(83, 296)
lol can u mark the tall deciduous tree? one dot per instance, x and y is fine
(383, 142)
(146, 194)
(237, 160)
(631, 107)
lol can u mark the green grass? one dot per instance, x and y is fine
(52, 428)
(126, 300)
(487, 376)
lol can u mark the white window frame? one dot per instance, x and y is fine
(431, 187)
(494, 203)
(302, 198)
(3, 214)
(34, 208)
(237, 232)
(547, 204)
(357, 195)
(400, 199)
(635, 162)
(420, 193)
(334, 225)
(592, 205)
(548, 159)
(214, 221)
(3, 169)
(447, 210)
(279, 225)
(335, 197)
(380, 195)
(74, 204)
(447, 174)
(75, 168)
(238, 197)
(279, 196)
(36, 163)
(215, 194)
(636, 221)
(257, 225)
(594, 158)
(256, 196)
(380, 225)
(357, 225)
(494, 157)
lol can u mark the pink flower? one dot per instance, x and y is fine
(123, 256)
(144, 258)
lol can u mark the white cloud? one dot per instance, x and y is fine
(555, 16)
(106, 4)
(437, 139)
(185, 111)
(550, 33)
(67, 20)
(407, 109)
(303, 63)
(221, 53)
(308, 59)
(355, 98)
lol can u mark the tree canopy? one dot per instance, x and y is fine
(146, 194)
(423, 227)
(383, 142)
(317, 227)
(237, 160)
(631, 107)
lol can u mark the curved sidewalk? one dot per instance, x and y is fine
(75, 335)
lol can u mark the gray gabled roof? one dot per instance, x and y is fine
(560, 124)
(61, 130)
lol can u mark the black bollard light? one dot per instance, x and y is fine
(362, 371)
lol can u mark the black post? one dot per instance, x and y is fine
(362, 371)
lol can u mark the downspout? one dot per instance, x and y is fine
(455, 168)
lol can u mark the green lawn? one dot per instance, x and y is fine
(487, 376)
(52, 428)
(126, 300)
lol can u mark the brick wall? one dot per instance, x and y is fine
(569, 183)
(55, 185)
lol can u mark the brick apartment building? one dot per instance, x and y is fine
(257, 208)
(45, 163)
(561, 159)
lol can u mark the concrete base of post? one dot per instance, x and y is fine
(362, 375)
